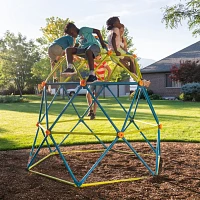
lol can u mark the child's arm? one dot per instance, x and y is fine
(114, 44)
(100, 38)
(106, 66)
(125, 43)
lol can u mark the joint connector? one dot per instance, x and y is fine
(83, 82)
(160, 126)
(120, 134)
(109, 52)
(43, 83)
(134, 56)
(48, 132)
(140, 83)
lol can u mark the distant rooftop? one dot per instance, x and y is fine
(191, 52)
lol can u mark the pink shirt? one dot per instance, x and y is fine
(117, 39)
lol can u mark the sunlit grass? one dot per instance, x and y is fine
(18, 121)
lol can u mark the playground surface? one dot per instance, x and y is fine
(179, 179)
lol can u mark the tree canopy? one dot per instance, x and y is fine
(190, 11)
(187, 72)
(25, 63)
(17, 56)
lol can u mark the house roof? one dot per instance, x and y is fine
(191, 52)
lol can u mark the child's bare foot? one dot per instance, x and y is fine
(146, 83)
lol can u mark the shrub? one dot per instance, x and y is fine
(191, 91)
(181, 97)
(155, 97)
(149, 92)
(12, 99)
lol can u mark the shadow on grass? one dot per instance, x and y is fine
(111, 107)
(6, 144)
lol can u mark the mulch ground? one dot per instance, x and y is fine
(179, 179)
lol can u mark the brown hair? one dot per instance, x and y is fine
(110, 22)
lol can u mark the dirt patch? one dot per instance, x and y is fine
(179, 179)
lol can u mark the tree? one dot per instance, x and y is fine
(17, 56)
(54, 29)
(41, 69)
(174, 15)
(187, 72)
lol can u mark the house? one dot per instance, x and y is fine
(158, 72)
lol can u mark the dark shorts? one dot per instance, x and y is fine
(94, 48)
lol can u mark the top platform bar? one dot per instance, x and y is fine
(94, 83)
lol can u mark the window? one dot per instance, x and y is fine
(171, 83)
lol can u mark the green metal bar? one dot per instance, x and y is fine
(55, 69)
(54, 178)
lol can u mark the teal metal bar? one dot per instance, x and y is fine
(92, 100)
(46, 108)
(117, 130)
(136, 95)
(97, 162)
(48, 145)
(95, 83)
(139, 91)
(157, 153)
(124, 127)
(145, 138)
(82, 120)
(41, 106)
(65, 107)
(150, 105)
(139, 157)
(49, 106)
(117, 99)
(72, 103)
(36, 153)
(34, 142)
(64, 160)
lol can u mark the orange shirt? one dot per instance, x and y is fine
(100, 71)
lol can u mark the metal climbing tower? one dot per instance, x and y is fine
(46, 127)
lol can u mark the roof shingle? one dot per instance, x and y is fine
(191, 52)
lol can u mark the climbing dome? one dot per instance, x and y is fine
(128, 122)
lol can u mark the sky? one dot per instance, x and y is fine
(142, 18)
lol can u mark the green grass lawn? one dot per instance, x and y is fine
(180, 120)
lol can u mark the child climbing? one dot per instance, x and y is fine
(89, 47)
(57, 49)
(114, 42)
(117, 43)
